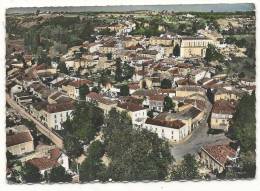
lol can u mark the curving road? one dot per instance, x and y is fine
(199, 137)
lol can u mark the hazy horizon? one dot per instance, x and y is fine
(123, 8)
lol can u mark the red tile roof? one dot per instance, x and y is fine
(157, 97)
(133, 86)
(18, 138)
(43, 163)
(94, 96)
(167, 90)
(223, 107)
(78, 83)
(58, 107)
(176, 124)
(130, 106)
(55, 154)
(220, 152)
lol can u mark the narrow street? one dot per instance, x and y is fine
(44, 130)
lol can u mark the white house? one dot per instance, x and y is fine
(15, 89)
(137, 113)
(174, 131)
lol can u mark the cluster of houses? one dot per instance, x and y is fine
(49, 95)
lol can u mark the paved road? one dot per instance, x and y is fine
(44, 130)
(198, 138)
(194, 143)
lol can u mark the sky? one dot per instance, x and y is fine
(177, 8)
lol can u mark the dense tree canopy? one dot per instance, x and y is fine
(187, 170)
(134, 154)
(124, 90)
(83, 91)
(31, 174)
(82, 128)
(166, 84)
(244, 123)
(92, 167)
(123, 71)
(58, 174)
(168, 104)
(212, 54)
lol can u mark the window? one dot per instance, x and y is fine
(172, 132)
(22, 149)
(162, 130)
(55, 116)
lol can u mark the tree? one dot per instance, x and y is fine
(87, 31)
(124, 90)
(187, 170)
(95, 89)
(176, 50)
(135, 154)
(92, 167)
(82, 128)
(62, 68)
(212, 54)
(123, 71)
(109, 56)
(72, 146)
(150, 113)
(58, 174)
(244, 123)
(168, 104)
(83, 91)
(166, 84)
(118, 71)
(31, 173)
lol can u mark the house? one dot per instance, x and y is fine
(19, 140)
(192, 117)
(156, 102)
(133, 87)
(222, 113)
(186, 91)
(58, 97)
(52, 115)
(39, 90)
(199, 74)
(137, 113)
(103, 103)
(215, 157)
(151, 54)
(168, 92)
(225, 94)
(108, 47)
(54, 158)
(174, 131)
(164, 40)
(72, 88)
(15, 89)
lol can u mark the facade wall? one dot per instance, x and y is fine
(55, 120)
(21, 148)
(220, 121)
(171, 134)
(210, 163)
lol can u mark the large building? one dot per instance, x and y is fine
(191, 46)
(174, 131)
